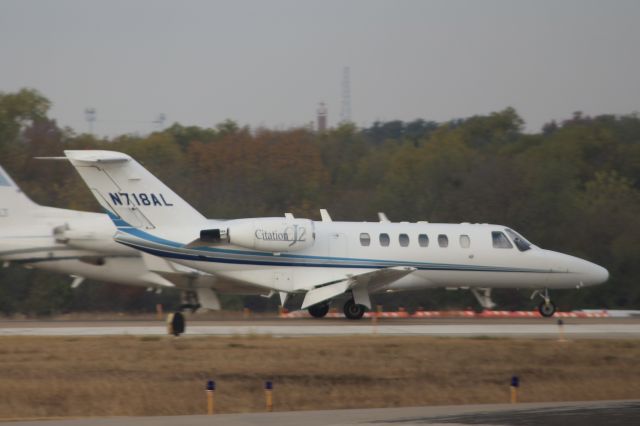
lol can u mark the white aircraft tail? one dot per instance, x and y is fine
(13, 202)
(131, 195)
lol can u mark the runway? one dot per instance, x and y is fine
(528, 328)
(611, 413)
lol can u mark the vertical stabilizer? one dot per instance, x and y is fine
(13, 202)
(131, 194)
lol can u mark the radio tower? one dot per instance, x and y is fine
(345, 111)
(322, 117)
(90, 116)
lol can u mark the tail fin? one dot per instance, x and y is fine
(13, 202)
(131, 194)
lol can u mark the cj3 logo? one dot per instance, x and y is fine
(138, 199)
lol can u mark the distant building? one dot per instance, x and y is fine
(322, 117)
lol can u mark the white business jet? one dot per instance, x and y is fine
(321, 262)
(81, 244)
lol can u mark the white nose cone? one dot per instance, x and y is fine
(595, 274)
(588, 273)
(576, 272)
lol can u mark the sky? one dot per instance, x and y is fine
(269, 63)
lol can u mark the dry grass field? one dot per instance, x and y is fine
(107, 376)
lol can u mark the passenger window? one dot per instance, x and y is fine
(365, 239)
(384, 240)
(465, 241)
(443, 240)
(500, 240)
(423, 240)
(404, 240)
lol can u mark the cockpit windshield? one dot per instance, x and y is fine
(520, 241)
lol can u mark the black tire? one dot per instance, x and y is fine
(319, 310)
(353, 311)
(547, 309)
(178, 324)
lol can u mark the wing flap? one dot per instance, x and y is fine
(361, 284)
(326, 292)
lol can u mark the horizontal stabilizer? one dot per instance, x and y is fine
(91, 156)
(52, 158)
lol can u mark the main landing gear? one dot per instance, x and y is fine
(176, 323)
(353, 311)
(546, 308)
(319, 311)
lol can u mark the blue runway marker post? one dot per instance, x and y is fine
(211, 388)
(515, 384)
(268, 394)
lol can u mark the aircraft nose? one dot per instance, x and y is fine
(592, 274)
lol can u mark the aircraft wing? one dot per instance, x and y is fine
(360, 285)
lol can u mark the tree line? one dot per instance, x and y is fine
(571, 187)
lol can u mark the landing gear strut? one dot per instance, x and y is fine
(546, 308)
(319, 310)
(189, 301)
(352, 310)
(483, 296)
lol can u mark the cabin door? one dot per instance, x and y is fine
(338, 245)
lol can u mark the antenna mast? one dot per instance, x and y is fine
(345, 111)
(90, 116)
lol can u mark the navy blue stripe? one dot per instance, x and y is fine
(203, 258)
(323, 262)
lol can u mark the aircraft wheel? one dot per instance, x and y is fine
(547, 309)
(353, 311)
(319, 311)
(176, 323)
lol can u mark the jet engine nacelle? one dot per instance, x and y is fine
(267, 234)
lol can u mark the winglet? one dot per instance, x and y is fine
(383, 217)
(324, 214)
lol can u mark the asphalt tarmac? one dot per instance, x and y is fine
(605, 413)
(446, 327)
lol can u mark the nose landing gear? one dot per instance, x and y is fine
(546, 308)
